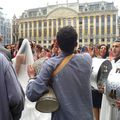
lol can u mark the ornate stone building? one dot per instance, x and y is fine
(5, 28)
(119, 27)
(95, 22)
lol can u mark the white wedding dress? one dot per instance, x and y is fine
(29, 112)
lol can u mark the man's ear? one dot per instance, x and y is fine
(76, 43)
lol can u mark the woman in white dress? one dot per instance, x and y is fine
(24, 58)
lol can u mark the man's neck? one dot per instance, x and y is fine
(117, 58)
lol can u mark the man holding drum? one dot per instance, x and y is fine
(71, 85)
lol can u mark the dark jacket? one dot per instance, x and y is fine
(11, 93)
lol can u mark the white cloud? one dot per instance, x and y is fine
(11, 7)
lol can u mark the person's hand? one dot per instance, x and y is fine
(91, 52)
(101, 88)
(118, 103)
(31, 71)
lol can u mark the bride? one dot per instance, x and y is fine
(24, 58)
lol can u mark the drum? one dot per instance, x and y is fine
(113, 86)
(100, 70)
(48, 102)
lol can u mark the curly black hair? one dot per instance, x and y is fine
(67, 39)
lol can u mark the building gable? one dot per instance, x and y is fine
(62, 12)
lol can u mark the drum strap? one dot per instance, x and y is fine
(62, 64)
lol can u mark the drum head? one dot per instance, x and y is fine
(100, 70)
(103, 72)
(48, 102)
(113, 86)
(47, 105)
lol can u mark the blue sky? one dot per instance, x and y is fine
(11, 7)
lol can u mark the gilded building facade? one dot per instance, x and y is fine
(95, 22)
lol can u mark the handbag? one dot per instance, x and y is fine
(48, 102)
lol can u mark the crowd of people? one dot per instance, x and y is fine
(27, 67)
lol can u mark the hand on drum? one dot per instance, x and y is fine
(31, 71)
